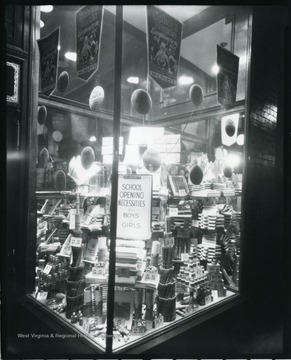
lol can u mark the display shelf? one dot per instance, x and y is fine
(55, 194)
(186, 216)
(207, 194)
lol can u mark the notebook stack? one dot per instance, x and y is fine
(129, 264)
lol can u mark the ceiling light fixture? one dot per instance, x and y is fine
(41, 24)
(93, 138)
(71, 56)
(185, 80)
(46, 8)
(215, 69)
(133, 80)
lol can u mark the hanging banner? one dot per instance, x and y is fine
(227, 77)
(164, 42)
(49, 59)
(134, 207)
(88, 26)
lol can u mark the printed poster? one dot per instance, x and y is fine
(134, 207)
(49, 59)
(88, 26)
(164, 42)
(227, 77)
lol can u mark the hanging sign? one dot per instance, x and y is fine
(134, 207)
(227, 77)
(88, 25)
(49, 59)
(164, 42)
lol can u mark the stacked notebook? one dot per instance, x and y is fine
(129, 263)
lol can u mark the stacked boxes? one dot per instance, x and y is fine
(215, 281)
(192, 274)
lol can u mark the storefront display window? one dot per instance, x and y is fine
(180, 151)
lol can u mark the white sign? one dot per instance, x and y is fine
(47, 269)
(76, 241)
(134, 207)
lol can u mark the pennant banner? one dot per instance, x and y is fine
(164, 42)
(227, 77)
(49, 59)
(88, 25)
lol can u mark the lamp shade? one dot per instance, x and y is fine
(87, 157)
(141, 101)
(42, 115)
(151, 160)
(196, 175)
(196, 94)
(43, 157)
(96, 98)
(227, 171)
(63, 81)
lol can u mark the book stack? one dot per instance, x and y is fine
(208, 249)
(207, 218)
(193, 188)
(215, 280)
(229, 192)
(129, 264)
(209, 243)
(192, 274)
(218, 186)
(219, 220)
(206, 186)
(226, 211)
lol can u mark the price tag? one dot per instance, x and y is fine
(195, 223)
(98, 270)
(190, 309)
(42, 295)
(182, 192)
(123, 272)
(47, 269)
(169, 241)
(76, 241)
(72, 219)
(138, 330)
(214, 294)
(173, 211)
(151, 273)
(119, 322)
(66, 249)
(159, 321)
(100, 264)
(184, 256)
